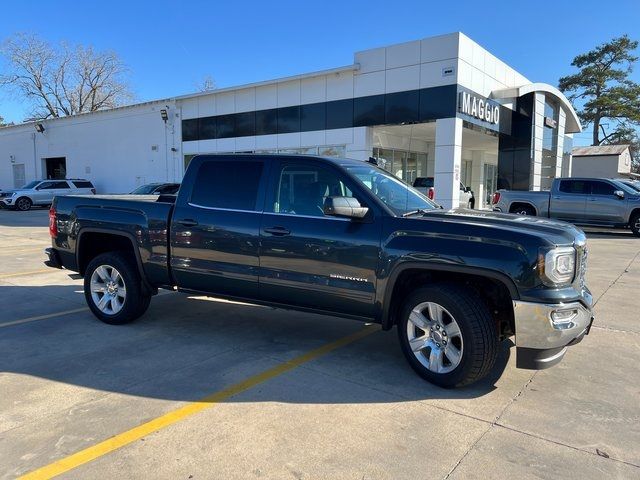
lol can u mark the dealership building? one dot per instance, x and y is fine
(442, 107)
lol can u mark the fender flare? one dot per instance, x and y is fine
(387, 321)
(127, 235)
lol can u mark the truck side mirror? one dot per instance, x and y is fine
(619, 194)
(347, 207)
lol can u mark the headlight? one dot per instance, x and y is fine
(557, 266)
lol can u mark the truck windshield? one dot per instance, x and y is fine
(393, 192)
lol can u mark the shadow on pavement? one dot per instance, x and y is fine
(622, 233)
(184, 348)
(36, 217)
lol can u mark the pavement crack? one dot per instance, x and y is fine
(577, 449)
(614, 330)
(626, 270)
(468, 451)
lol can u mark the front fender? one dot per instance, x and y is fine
(390, 282)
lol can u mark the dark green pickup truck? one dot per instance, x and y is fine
(339, 237)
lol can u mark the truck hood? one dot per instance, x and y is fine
(555, 231)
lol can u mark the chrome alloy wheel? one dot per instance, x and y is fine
(108, 290)
(435, 337)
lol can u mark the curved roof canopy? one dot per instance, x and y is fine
(572, 124)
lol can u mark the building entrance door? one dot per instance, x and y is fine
(55, 168)
(490, 182)
(18, 175)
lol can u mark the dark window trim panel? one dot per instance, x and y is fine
(412, 106)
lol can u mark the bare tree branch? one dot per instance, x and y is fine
(61, 80)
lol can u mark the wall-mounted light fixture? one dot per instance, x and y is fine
(12, 158)
(164, 115)
(39, 128)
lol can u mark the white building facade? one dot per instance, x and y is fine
(441, 107)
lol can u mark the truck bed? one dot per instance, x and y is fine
(537, 199)
(144, 219)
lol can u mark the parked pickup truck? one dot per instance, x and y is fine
(583, 201)
(338, 237)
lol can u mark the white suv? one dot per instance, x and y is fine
(41, 192)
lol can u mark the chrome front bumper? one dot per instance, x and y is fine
(544, 331)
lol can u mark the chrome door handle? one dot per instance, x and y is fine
(187, 222)
(277, 231)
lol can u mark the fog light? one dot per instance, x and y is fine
(563, 319)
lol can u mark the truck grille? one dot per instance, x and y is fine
(582, 254)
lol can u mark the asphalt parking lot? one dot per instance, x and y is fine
(204, 389)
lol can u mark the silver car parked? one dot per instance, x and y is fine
(41, 192)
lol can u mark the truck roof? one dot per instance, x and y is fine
(335, 160)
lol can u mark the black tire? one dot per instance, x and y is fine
(634, 224)
(23, 204)
(135, 301)
(523, 210)
(478, 334)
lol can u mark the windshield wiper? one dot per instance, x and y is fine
(420, 211)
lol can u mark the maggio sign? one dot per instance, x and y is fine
(479, 108)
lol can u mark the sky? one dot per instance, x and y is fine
(170, 46)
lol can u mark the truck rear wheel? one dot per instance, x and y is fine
(523, 209)
(634, 224)
(447, 335)
(113, 290)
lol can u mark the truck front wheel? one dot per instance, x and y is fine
(23, 204)
(113, 290)
(447, 335)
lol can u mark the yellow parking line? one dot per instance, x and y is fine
(42, 317)
(20, 274)
(120, 440)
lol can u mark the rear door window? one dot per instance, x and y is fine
(576, 187)
(228, 184)
(82, 184)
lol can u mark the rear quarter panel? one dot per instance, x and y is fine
(142, 220)
(539, 200)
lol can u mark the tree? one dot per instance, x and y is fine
(604, 88)
(63, 80)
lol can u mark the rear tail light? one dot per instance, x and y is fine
(431, 193)
(496, 198)
(93, 190)
(53, 225)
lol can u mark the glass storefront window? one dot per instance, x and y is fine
(549, 145)
(401, 163)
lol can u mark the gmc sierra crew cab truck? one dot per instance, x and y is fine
(339, 237)
(582, 201)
